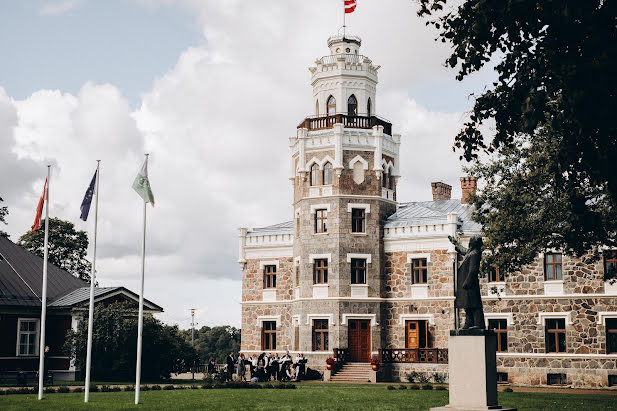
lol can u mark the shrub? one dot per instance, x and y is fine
(105, 388)
(49, 390)
(391, 387)
(440, 388)
(156, 388)
(412, 376)
(424, 378)
(207, 379)
(439, 378)
(427, 387)
(145, 388)
(169, 387)
(206, 386)
(194, 387)
(414, 387)
(402, 387)
(64, 390)
(218, 385)
(26, 390)
(77, 389)
(115, 389)
(508, 389)
(268, 385)
(129, 388)
(94, 388)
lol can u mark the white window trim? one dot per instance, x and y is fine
(263, 318)
(367, 257)
(311, 317)
(361, 160)
(372, 317)
(603, 315)
(263, 264)
(316, 207)
(417, 317)
(411, 256)
(543, 316)
(313, 257)
(320, 163)
(38, 336)
(509, 317)
(359, 206)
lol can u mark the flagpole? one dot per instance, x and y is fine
(344, 19)
(44, 291)
(92, 282)
(140, 325)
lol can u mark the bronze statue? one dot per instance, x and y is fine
(468, 285)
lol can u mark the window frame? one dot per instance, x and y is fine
(610, 332)
(415, 279)
(322, 332)
(553, 264)
(358, 223)
(358, 269)
(352, 106)
(315, 175)
(268, 335)
(331, 104)
(320, 271)
(610, 257)
(502, 333)
(321, 221)
(555, 333)
(269, 277)
(496, 275)
(36, 334)
(326, 177)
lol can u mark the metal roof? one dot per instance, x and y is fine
(82, 295)
(433, 212)
(281, 228)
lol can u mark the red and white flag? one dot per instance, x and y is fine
(350, 6)
(39, 209)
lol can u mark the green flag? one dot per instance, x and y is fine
(142, 184)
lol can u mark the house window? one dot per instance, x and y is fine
(315, 175)
(27, 337)
(327, 173)
(268, 335)
(320, 335)
(358, 271)
(358, 220)
(419, 270)
(495, 274)
(552, 266)
(384, 178)
(500, 327)
(269, 276)
(555, 335)
(556, 379)
(321, 219)
(391, 179)
(368, 107)
(611, 335)
(502, 378)
(320, 271)
(352, 106)
(612, 380)
(331, 106)
(610, 262)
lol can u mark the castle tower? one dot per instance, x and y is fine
(345, 166)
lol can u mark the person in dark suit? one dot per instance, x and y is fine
(231, 364)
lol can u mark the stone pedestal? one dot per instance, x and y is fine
(472, 367)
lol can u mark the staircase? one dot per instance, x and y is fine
(352, 372)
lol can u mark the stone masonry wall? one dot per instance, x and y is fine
(253, 279)
(398, 279)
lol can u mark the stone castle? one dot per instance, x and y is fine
(358, 275)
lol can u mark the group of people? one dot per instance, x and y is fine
(267, 367)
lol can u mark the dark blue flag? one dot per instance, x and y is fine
(85, 204)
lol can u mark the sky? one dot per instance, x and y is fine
(212, 89)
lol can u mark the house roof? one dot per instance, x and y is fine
(280, 228)
(82, 295)
(434, 212)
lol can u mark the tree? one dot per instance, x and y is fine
(4, 211)
(67, 247)
(214, 342)
(114, 350)
(553, 106)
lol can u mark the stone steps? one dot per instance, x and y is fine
(352, 372)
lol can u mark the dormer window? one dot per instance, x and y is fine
(368, 107)
(352, 106)
(331, 106)
(327, 173)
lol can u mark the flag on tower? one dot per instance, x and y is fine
(142, 184)
(39, 209)
(85, 203)
(350, 6)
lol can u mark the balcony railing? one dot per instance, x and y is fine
(419, 355)
(341, 355)
(366, 122)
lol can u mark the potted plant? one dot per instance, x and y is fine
(330, 363)
(375, 363)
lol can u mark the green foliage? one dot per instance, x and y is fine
(440, 388)
(412, 376)
(4, 211)
(439, 378)
(67, 247)
(402, 387)
(214, 342)
(508, 389)
(391, 387)
(427, 387)
(64, 389)
(114, 349)
(414, 387)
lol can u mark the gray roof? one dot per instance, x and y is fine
(82, 295)
(281, 228)
(433, 212)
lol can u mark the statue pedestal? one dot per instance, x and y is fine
(472, 366)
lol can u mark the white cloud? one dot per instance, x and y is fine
(59, 7)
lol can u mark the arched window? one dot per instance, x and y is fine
(327, 173)
(368, 107)
(315, 175)
(352, 106)
(391, 179)
(384, 178)
(317, 107)
(331, 107)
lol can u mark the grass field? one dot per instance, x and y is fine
(305, 397)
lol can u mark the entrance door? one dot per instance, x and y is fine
(413, 337)
(359, 340)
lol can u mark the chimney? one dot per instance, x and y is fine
(441, 191)
(468, 186)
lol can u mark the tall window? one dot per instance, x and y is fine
(268, 335)
(327, 173)
(358, 271)
(270, 276)
(321, 220)
(28, 336)
(384, 177)
(500, 326)
(317, 107)
(368, 107)
(391, 179)
(552, 266)
(419, 270)
(495, 274)
(358, 220)
(610, 261)
(611, 335)
(320, 335)
(555, 335)
(320, 271)
(352, 106)
(331, 106)
(315, 175)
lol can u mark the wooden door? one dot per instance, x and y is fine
(412, 334)
(359, 340)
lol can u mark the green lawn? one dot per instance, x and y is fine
(309, 396)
